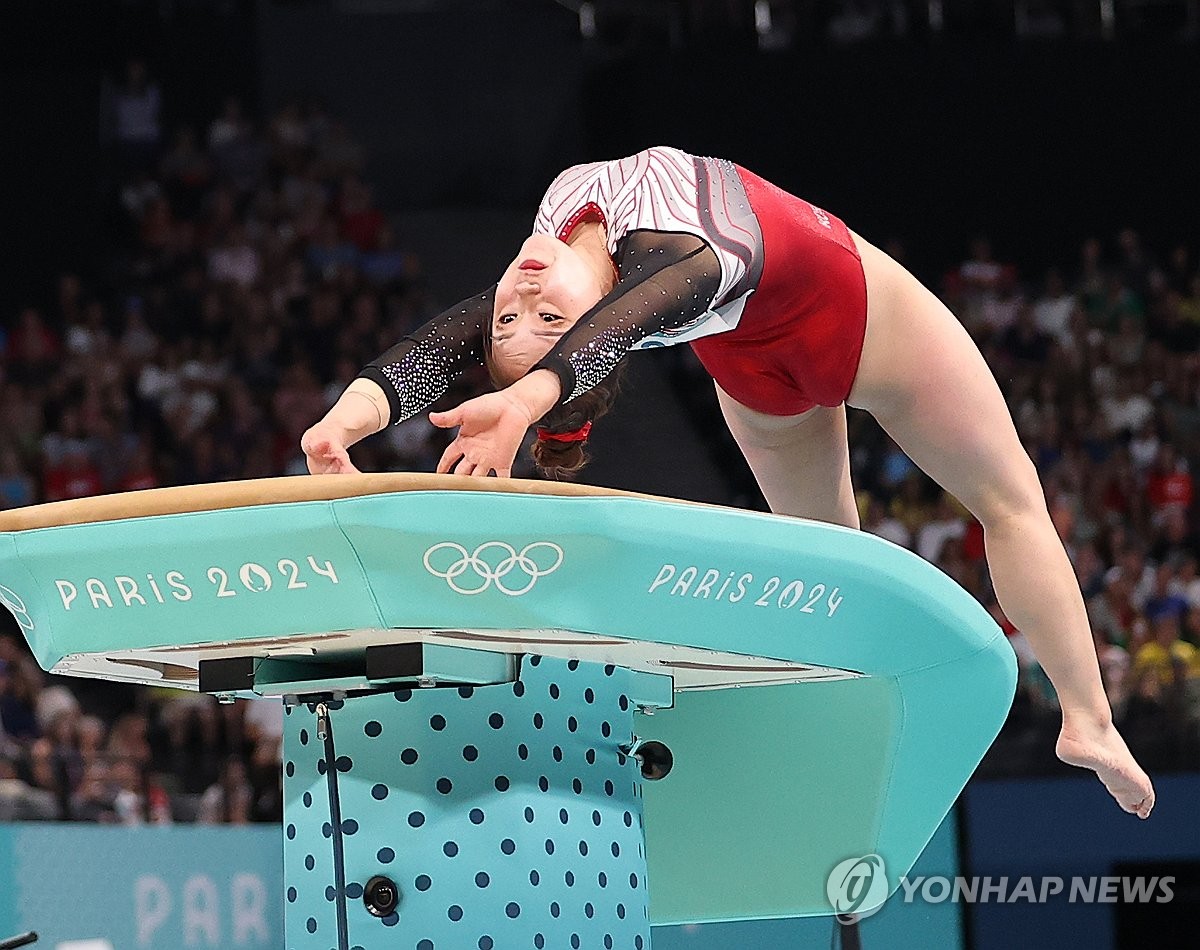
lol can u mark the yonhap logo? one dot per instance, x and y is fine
(858, 886)
(496, 563)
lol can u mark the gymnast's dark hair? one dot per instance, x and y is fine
(561, 460)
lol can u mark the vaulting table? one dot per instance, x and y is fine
(482, 676)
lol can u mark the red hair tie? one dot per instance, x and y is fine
(575, 435)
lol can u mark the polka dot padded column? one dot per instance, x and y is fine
(506, 816)
(309, 919)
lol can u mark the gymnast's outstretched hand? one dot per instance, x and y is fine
(360, 411)
(326, 452)
(491, 427)
(490, 430)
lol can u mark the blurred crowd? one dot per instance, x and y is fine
(1101, 369)
(249, 275)
(150, 757)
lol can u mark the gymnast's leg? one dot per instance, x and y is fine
(801, 463)
(922, 377)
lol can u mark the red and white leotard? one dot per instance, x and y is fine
(767, 288)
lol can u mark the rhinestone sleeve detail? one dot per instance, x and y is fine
(668, 283)
(420, 368)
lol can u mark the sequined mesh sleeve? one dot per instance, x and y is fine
(668, 282)
(419, 369)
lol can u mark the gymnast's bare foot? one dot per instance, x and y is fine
(1102, 750)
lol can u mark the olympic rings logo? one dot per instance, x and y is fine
(494, 562)
(16, 606)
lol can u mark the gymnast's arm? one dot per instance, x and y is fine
(401, 382)
(668, 281)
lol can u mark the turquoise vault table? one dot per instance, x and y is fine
(479, 675)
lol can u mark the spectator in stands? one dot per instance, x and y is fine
(385, 266)
(1128, 408)
(1089, 569)
(128, 740)
(1000, 307)
(191, 745)
(1169, 484)
(330, 254)
(95, 799)
(1053, 310)
(33, 349)
(1116, 301)
(264, 772)
(91, 736)
(234, 260)
(10, 785)
(22, 419)
(945, 523)
(1111, 612)
(1163, 677)
(62, 732)
(1127, 347)
(18, 692)
(46, 772)
(980, 276)
(18, 800)
(16, 486)
(1186, 584)
(229, 800)
(1023, 340)
(1164, 600)
(361, 222)
(75, 476)
(878, 521)
(910, 504)
(139, 470)
(136, 798)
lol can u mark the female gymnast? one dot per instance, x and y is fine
(795, 317)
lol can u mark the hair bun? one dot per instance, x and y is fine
(558, 460)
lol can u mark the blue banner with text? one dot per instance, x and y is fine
(89, 887)
(92, 887)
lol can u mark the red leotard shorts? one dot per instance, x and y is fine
(800, 336)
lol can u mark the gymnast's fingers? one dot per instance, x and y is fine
(449, 457)
(322, 464)
(448, 419)
(316, 453)
(464, 467)
(339, 460)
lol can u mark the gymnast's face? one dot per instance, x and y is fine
(546, 288)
